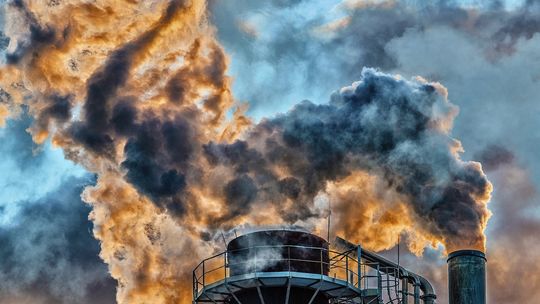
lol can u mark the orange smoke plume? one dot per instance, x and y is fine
(137, 92)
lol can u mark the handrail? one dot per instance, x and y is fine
(279, 246)
(416, 280)
(345, 270)
(348, 265)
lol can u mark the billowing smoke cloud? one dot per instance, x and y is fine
(384, 125)
(129, 90)
(511, 249)
(148, 107)
(482, 51)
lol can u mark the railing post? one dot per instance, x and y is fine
(203, 275)
(347, 267)
(225, 265)
(366, 278)
(359, 255)
(254, 267)
(322, 272)
(289, 257)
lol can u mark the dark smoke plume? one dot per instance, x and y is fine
(382, 124)
(494, 156)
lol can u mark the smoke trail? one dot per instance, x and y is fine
(389, 127)
(129, 90)
(138, 93)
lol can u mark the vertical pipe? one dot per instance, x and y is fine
(428, 294)
(417, 293)
(404, 291)
(379, 284)
(467, 277)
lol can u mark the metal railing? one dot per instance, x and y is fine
(390, 283)
(338, 265)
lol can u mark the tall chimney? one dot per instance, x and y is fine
(467, 277)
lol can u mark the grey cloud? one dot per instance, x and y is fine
(47, 249)
(301, 64)
(49, 254)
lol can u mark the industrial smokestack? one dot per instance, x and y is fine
(467, 277)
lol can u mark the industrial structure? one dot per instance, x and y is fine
(289, 266)
(467, 277)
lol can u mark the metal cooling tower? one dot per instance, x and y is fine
(286, 266)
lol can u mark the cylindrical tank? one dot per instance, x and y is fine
(467, 277)
(277, 251)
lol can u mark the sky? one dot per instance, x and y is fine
(279, 53)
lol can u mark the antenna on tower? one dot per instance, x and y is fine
(329, 215)
(398, 249)
(224, 241)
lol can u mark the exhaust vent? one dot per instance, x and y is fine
(467, 277)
